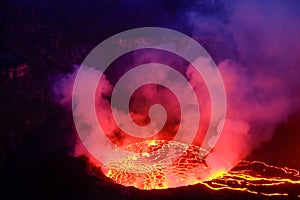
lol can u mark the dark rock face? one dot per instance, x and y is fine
(23, 104)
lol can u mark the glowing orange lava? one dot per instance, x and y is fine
(150, 168)
(259, 178)
(159, 164)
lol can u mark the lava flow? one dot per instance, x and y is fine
(150, 168)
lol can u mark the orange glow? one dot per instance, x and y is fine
(156, 165)
(147, 170)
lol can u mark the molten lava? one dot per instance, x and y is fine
(259, 178)
(150, 168)
(159, 164)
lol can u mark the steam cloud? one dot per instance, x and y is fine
(258, 54)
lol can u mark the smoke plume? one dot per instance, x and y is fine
(256, 47)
